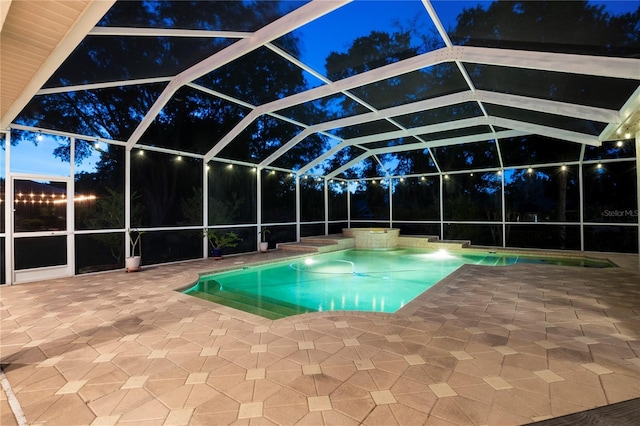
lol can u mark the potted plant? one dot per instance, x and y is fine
(132, 263)
(264, 244)
(220, 241)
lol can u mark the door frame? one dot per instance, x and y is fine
(47, 272)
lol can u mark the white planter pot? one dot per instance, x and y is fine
(264, 246)
(132, 264)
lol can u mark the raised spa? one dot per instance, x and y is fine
(373, 238)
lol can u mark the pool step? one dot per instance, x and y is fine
(329, 243)
(265, 307)
(319, 244)
(431, 242)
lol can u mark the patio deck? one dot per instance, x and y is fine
(487, 345)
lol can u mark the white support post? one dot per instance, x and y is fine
(205, 207)
(258, 205)
(390, 202)
(71, 222)
(326, 207)
(581, 196)
(348, 204)
(504, 210)
(8, 211)
(127, 201)
(441, 201)
(297, 179)
(638, 189)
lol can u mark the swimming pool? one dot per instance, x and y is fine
(351, 280)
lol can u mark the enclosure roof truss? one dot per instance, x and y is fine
(457, 56)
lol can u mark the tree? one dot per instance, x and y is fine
(193, 121)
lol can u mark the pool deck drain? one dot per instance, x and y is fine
(487, 345)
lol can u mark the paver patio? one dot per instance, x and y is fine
(487, 345)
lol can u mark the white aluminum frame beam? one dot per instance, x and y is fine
(628, 121)
(264, 35)
(165, 32)
(551, 132)
(575, 64)
(583, 112)
(106, 85)
(90, 16)
(421, 145)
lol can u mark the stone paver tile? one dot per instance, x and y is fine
(158, 354)
(364, 364)
(497, 382)
(197, 378)
(442, 390)
(596, 368)
(319, 403)
(105, 358)
(129, 337)
(105, 421)
(71, 387)
(209, 351)
(461, 355)
(50, 362)
(624, 337)
(414, 359)
(135, 382)
(586, 340)
(306, 345)
(179, 417)
(505, 350)
(250, 410)
(383, 397)
(255, 374)
(310, 369)
(547, 344)
(548, 376)
(258, 349)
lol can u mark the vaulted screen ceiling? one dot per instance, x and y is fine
(317, 87)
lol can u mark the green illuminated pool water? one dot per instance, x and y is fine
(352, 280)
